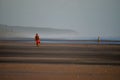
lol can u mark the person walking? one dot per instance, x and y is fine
(37, 39)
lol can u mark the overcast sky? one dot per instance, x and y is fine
(89, 18)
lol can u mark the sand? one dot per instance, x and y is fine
(69, 61)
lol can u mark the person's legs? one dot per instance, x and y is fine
(37, 43)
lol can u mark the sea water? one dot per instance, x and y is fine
(63, 41)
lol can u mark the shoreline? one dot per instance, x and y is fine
(57, 41)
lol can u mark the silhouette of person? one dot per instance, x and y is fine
(37, 39)
(99, 40)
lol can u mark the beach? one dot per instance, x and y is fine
(59, 61)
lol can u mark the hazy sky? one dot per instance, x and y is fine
(89, 18)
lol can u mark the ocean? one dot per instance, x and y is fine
(63, 41)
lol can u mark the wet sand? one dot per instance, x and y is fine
(25, 61)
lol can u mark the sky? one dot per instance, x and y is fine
(88, 18)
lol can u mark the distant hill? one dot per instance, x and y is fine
(29, 32)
